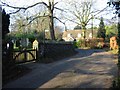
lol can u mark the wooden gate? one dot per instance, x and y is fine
(21, 56)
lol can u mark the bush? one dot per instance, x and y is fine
(100, 45)
(75, 44)
(91, 43)
(78, 43)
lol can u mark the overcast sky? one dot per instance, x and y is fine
(100, 4)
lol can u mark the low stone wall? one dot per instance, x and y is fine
(55, 50)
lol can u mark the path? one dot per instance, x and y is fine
(87, 69)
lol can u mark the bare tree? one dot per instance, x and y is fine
(82, 12)
(19, 21)
(51, 5)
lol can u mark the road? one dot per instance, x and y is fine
(87, 69)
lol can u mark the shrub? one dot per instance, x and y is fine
(78, 43)
(100, 45)
(91, 43)
(75, 44)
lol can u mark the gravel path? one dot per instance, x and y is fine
(88, 69)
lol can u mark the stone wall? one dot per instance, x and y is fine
(55, 50)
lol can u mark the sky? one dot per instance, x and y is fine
(100, 4)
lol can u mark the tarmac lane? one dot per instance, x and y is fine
(88, 69)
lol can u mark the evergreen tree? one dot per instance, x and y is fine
(7, 55)
(5, 24)
(101, 30)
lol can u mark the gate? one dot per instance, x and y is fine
(20, 56)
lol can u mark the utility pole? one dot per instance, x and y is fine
(92, 26)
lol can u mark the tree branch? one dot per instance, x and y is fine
(25, 8)
(56, 3)
(14, 12)
(59, 9)
(97, 13)
(74, 21)
(101, 10)
(59, 20)
(33, 20)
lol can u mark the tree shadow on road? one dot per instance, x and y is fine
(77, 65)
(88, 52)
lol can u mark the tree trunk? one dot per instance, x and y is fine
(84, 34)
(51, 25)
(84, 28)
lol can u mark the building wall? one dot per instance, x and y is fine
(78, 34)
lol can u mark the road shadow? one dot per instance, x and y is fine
(36, 78)
(88, 52)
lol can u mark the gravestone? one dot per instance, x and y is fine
(24, 42)
(35, 44)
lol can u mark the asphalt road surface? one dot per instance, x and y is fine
(88, 69)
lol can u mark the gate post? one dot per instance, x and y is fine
(25, 54)
(36, 57)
